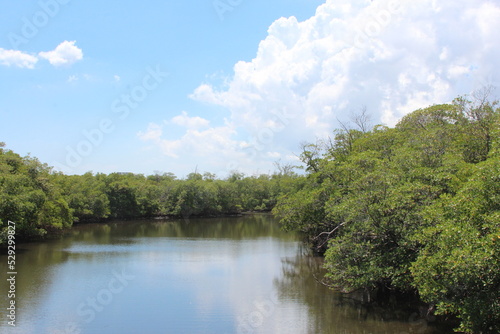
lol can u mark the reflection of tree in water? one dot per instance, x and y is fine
(235, 228)
(334, 312)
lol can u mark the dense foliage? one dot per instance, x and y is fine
(410, 208)
(29, 198)
(41, 201)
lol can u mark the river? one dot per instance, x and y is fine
(234, 275)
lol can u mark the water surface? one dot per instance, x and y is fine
(217, 275)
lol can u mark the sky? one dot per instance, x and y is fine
(223, 85)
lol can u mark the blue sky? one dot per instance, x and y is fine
(172, 86)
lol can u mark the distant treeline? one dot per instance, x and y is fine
(410, 208)
(40, 201)
(414, 208)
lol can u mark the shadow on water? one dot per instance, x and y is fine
(335, 312)
(245, 227)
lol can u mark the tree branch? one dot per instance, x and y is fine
(328, 234)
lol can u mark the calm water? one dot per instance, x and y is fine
(223, 275)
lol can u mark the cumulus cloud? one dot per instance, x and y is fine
(17, 59)
(190, 122)
(198, 139)
(66, 53)
(213, 147)
(389, 56)
(153, 132)
(73, 78)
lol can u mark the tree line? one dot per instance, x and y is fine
(414, 208)
(42, 202)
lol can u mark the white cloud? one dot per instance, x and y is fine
(213, 148)
(190, 122)
(17, 58)
(153, 133)
(198, 139)
(66, 53)
(391, 56)
(72, 78)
